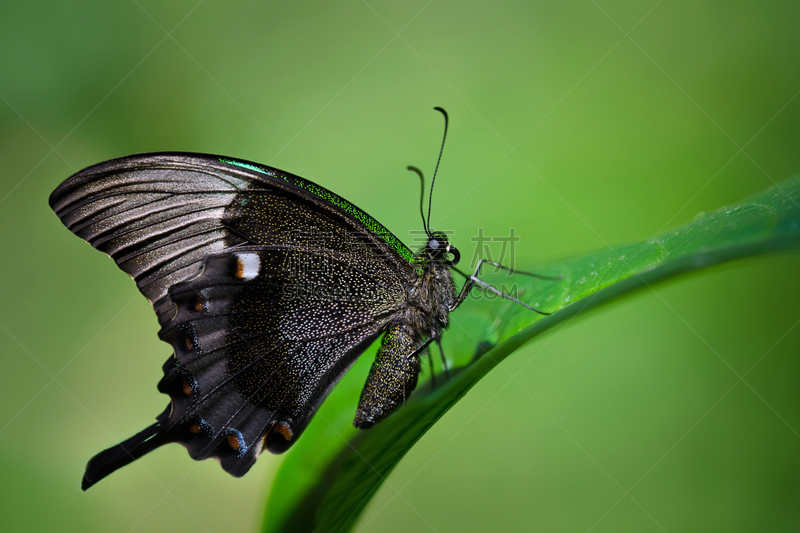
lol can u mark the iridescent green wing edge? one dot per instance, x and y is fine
(319, 193)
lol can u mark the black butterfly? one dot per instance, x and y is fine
(268, 287)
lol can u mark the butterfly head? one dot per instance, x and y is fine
(440, 250)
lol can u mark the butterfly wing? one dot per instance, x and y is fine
(159, 215)
(266, 285)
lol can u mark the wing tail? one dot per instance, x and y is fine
(114, 458)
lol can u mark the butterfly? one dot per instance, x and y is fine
(268, 287)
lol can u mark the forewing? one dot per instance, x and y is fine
(159, 215)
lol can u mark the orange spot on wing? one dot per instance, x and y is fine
(239, 268)
(282, 429)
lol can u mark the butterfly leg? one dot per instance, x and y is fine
(512, 271)
(472, 280)
(444, 359)
(444, 364)
(433, 372)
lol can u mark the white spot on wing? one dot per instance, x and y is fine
(247, 266)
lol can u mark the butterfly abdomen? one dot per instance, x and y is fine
(392, 378)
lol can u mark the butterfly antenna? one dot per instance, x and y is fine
(444, 137)
(421, 195)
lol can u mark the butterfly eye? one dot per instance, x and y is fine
(433, 244)
(453, 257)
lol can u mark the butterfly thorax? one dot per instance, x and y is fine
(430, 296)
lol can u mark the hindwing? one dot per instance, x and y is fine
(259, 345)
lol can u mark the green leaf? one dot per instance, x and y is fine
(331, 474)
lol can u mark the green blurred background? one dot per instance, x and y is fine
(631, 418)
